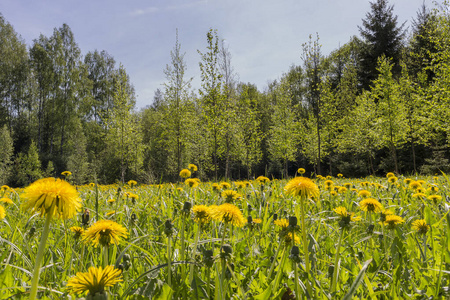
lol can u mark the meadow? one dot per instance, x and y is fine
(325, 238)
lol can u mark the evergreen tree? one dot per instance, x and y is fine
(382, 36)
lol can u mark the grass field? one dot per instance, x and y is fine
(369, 238)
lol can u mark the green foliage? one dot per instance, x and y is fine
(6, 154)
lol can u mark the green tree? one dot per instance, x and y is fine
(212, 98)
(382, 36)
(6, 154)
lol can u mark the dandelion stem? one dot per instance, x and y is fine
(336, 260)
(194, 251)
(169, 268)
(40, 255)
(274, 260)
(305, 244)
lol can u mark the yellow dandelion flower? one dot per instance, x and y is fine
(105, 232)
(201, 214)
(133, 196)
(434, 198)
(215, 187)
(52, 196)
(420, 226)
(228, 213)
(328, 183)
(94, 281)
(2, 212)
(302, 186)
(392, 179)
(407, 180)
(132, 183)
(433, 189)
(288, 238)
(364, 194)
(230, 195)
(346, 216)
(185, 173)
(92, 184)
(342, 190)
(392, 220)
(263, 179)
(301, 171)
(66, 173)
(192, 167)
(5, 188)
(111, 201)
(348, 185)
(370, 205)
(333, 193)
(390, 174)
(110, 213)
(419, 195)
(225, 185)
(282, 223)
(6, 200)
(240, 184)
(78, 231)
(414, 185)
(191, 182)
(340, 175)
(257, 221)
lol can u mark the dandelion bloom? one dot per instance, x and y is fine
(225, 185)
(191, 182)
(263, 179)
(346, 216)
(301, 171)
(215, 187)
(390, 174)
(111, 201)
(240, 184)
(2, 212)
(328, 183)
(6, 200)
(340, 175)
(364, 194)
(434, 198)
(302, 186)
(257, 221)
(392, 179)
(414, 185)
(5, 188)
(105, 232)
(192, 167)
(132, 183)
(392, 220)
(94, 280)
(230, 195)
(78, 231)
(407, 180)
(66, 173)
(201, 213)
(433, 189)
(185, 173)
(52, 196)
(370, 205)
(420, 226)
(110, 213)
(282, 223)
(417, 195)
(333, 193)
(133, 196)
(288, 238)
(348, 185)
(228, 213)
(342, 190)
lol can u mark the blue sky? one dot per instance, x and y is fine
(264, 37)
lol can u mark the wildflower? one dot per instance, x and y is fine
(364, 194)
(333, 193)
(342, 190)
(66, 173)
(419, 195)
(407, 180)
(6, 200)
(302, 186)
(392, 221)
(4, 188)
(215, 187)
(132, 183)
(346, 217)
(230, 195)
(288, 238)
(2, 212)
(52, 196)
(420, 226)
(340, 175)
(191, 182)
(228, 213)
(370, 205)
(390, 174)
(92, 184)
(434, 198)
(384, 213)
(433, 189)
(192, 167)
(133, 196)
(105, 232)
(348, 185)
(185, 173)
(414, 185)
(111, 201)
(301, 171)
(225, 185)
(392, 179)
(282, 223)
(263, 179)
(240, 184)
(328, 183)
(201, 214)
(257, 221)
(94, 281)
(78, 231)
(110, 213)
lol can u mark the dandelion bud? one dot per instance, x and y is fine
(292, 221)
(228, 272)
(275, 217)
(295, 254)
(227, 249)
(249, 208)
(249, 220)
(168, 228)
(208, 258)
(187, 207)
(85, 218)
(32, 231)
(370, 229)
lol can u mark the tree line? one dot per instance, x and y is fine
(378, 103)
